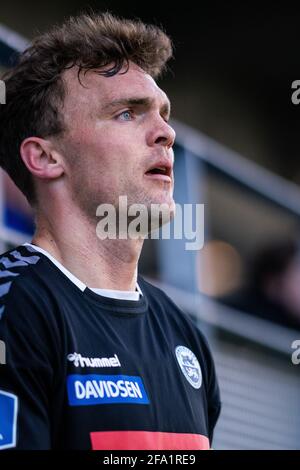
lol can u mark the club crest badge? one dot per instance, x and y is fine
(189, 366)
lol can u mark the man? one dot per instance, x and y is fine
(96, 357)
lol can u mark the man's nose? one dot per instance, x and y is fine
(163, 134)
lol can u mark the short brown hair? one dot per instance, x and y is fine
(35, 89)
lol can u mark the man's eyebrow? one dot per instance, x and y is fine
(143, 101)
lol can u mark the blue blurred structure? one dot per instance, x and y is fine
(245, 206)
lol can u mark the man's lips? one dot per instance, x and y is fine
(161, 171)
(158, 177)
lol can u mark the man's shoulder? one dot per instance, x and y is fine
(158, 297)
(18, 275)
(28, 312)
(17, 263)
(154, 292)
(181, 320)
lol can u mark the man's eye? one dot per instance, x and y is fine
(125, 115)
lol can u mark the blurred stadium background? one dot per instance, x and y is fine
(236, 152)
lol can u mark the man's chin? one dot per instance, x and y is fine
(163, 199)
(161, 213)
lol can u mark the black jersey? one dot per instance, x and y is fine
(85, 371)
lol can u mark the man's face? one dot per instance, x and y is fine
(117, 131)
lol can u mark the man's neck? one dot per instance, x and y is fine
(106, 264)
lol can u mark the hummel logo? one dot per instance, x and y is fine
(80, 361)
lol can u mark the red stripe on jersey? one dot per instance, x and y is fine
(145, 440)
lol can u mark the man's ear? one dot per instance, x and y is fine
(41, 158)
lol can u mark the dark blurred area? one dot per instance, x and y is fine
(272, 291)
